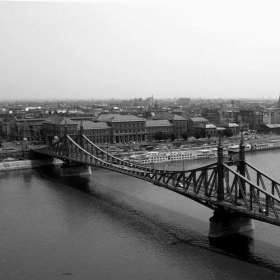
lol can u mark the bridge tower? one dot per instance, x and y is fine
(69, 168)
(242, 165)
(81, 134)
(227, 223)
(220, 191)
(66, 146)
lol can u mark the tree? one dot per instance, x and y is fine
(191, 134)
(228, 132)
(185, 136)
(159, 135)
(172, 137)
(203, 133)
(197, 135)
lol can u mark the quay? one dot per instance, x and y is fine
(28, 164)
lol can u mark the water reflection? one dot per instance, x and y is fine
(155, 226)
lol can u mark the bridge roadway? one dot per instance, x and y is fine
(210, 201)
(201, 185)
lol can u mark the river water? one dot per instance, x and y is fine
(111, 226)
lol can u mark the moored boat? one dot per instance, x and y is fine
(236, 148)
(157, 157)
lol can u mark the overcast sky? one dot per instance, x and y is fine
(227, 49)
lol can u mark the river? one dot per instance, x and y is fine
(111, 226)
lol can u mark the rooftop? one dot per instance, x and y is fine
(199, 119)
(170, 117)
(272, 125)
(210, 126)
(60, 121)
(150, 123)
(94, 125)
(118, 118)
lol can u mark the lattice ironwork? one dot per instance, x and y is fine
(230, 184)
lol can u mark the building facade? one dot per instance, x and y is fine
(234, 127)
(154, 126)
(180, 124)
(252, 117)
(196, 124)
(125, 128)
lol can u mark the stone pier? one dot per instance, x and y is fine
(223, 224)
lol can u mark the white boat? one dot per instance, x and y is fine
(157, 157)
(236, 148)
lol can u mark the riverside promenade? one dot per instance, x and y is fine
(28, 164)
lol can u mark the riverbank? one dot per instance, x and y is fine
(28, 164)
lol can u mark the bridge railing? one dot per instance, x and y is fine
(240, 190)
(200, 184)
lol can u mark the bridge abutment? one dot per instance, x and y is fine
(224, 224)
(69, 170)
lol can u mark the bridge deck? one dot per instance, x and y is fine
(200, 184)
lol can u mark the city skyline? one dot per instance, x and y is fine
(198, 49)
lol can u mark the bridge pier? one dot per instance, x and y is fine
(223, 224)
(69, 170)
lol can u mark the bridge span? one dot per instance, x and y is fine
(235, 190)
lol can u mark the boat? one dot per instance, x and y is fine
(158, 157)
(236, 148)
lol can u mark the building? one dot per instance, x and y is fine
(180, 124)
(271, 128)
(197, 124)
(252, 117)
(217, 116)
(266, 118)
(212, 115)
(125, 128)
(234, 127)
(29, 128)
(16, 129)
(210, 130)
(97, 132)
(56, 127)
(275, 117)
(154, 126)
(7, 129)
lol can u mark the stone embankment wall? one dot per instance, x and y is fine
(28, 164)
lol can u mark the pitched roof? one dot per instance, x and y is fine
(150, 123)
(168, 116)
(199, 119)
(20, 122)
(272, 125)
(210, 126)
(94, 125)
(60, 121)
(118, 118)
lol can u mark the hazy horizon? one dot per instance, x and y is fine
(198, 49)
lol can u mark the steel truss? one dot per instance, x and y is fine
(233, 191)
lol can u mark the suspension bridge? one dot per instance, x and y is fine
(234, 189)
